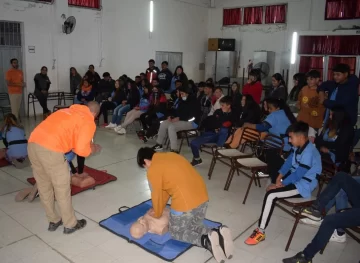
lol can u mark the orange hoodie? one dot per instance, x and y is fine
(66, 130)
(171, 175)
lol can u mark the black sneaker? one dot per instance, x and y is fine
(226, 241)
(157, 147)
(80, 224)
(298, 258)
(309, 212)
(196, 162)
(211, 242)
(53, 226)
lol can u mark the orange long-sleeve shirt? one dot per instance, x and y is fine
(66, 130)
(171, 175)
(15, 76)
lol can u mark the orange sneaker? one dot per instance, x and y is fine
(255, 238)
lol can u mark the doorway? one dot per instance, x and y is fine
(173, 58)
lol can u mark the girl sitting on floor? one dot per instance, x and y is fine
(136, 112)
(14, 139)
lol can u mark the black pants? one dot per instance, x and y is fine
(105, 107)
(81, 164)
(147, 119)
(42, 98)
(274, 161)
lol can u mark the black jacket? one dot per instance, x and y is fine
(119, 96)
(251, 114)
(188, 109)
(278, 93)
(105, 86)
(341, 146)
(133, 97)
(42, 82)
(236, 103)
(165, 77)
(219, 120)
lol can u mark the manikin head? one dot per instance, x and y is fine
(139, 228)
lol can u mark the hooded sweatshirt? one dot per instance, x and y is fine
(66, 130)
(165, 78)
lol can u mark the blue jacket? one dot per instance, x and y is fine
(18, 150)
(346, 97)
(301, 168)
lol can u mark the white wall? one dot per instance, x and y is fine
(115, 39)
(302, 15)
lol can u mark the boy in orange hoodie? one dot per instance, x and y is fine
(171, 176)
(66, 130)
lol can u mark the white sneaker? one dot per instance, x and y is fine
(308, 221)
(111, 125)
(336, 238)
(263, 175)
(122, 131)
(117, 128)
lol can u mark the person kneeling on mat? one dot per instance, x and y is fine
(170, 175)
(66, 130)
(78, 177)
(14, 139)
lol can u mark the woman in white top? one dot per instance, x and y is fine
(218, 94)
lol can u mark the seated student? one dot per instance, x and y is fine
(336, 139)
(296, 178)
(143, 84)
(171, 176)
(104, 88)
(132, 99)
(155, 83)
(136, 112)
(253, 86)
(311, 110)
(185, 117)
(179, 75)
(299, 80)
(193, 89)
(85, 94)
(277, 122)
(251, 113)
(14, 139)
(237, 97)
(150, 120)
(278, 89)
(217, 128)
(216, 100)
(173, 95)
(206, 101)
(142, 76)
(200, 91)
(42, 86)
(345, 219)
(113, 101)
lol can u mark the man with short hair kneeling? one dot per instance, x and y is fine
(171, 176)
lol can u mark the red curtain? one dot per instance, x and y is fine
(341, 9)
(357, 11)
(253, 15)
(329, 45)
(275, 14)
(85, 3)
(308, 63)
(232, 17)
(351, 61)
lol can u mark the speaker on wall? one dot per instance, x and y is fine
(226, 44)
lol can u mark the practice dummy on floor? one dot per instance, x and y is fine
(149, 224)
(79, 178)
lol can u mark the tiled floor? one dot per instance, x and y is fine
(24, 238)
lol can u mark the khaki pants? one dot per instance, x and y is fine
(51, 172)
(15, 103)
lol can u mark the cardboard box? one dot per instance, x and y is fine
(213, 44)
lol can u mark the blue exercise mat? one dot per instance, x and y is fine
(163, 246)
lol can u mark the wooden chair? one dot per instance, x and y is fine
(291, 203)
(254, 164)
(229, 156)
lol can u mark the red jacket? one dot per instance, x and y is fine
(255, 90)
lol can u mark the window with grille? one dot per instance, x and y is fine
(10, 34)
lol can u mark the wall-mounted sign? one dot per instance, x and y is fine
(31, 49)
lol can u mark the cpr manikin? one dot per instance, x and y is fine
(150, 224)
(79, 178)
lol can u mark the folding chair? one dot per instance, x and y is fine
(255, 165)
(229, 156)
(5, 104)
(294, 202)
(185, 134)
(329, 170)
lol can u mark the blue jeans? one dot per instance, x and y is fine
(208, 137)
(348, 218)
(341, 200)
(119, 111)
